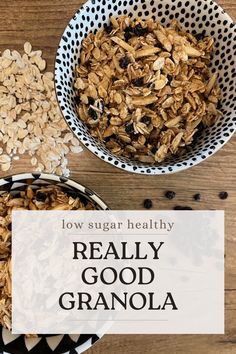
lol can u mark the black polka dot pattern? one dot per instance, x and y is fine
(13, 183)
(196, 17)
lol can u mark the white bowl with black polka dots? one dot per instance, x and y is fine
(195, 16)
(47, 344)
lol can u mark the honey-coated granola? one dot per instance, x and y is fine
(44, 198)
(144, 89)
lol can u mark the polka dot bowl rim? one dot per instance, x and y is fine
(47, 344)
(195, 16)
(7, 182)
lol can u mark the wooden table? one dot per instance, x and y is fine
(42, 22)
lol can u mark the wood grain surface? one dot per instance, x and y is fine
(42, 22)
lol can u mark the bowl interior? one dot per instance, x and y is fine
(195, 17)
(14, 184)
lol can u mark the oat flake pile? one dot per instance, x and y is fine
(30, 119)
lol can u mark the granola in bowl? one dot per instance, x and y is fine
(50, 197)
(145, 90)
(36, 191)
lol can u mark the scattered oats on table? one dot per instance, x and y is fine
(44, 198)
(30, 119)
(144, 89)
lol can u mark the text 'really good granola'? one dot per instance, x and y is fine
(44, 198)
(144, 89)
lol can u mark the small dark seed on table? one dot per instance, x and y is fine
(170, 195)
(179, 207)
(223, 195)
(197, 197)
(147, 204)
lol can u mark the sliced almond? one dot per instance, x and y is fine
(118, 98)
(160, 84)
(211, 84)
(123, 44)
(168, 102)
(192, 52)
(116, 121)
(144, 101)
(93, 78)
(146, 159)
(173, 122)
(194, 124)
(102, 92)
(159, 64)
(145, 52)
(161, 153)
(114, 22)
(79, 84)
(164, 40)
(176, 141)
(108, 132)
(96, 53)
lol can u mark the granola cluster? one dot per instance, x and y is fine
(144, 89)
(44, 198)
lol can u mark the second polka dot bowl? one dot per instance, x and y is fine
(195, 16)
(47, 344)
